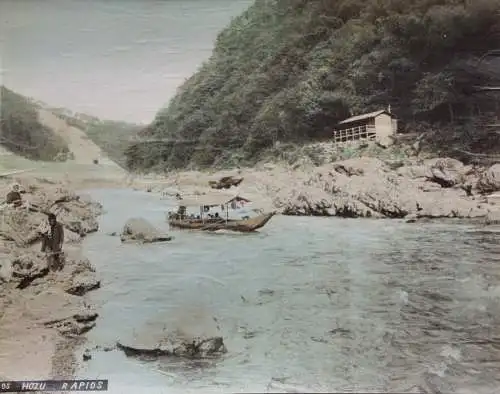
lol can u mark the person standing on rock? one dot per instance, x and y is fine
(52, 242)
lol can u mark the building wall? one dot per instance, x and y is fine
(384, 128)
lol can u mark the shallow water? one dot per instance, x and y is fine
(310, 304)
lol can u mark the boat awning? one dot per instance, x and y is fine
(211, 200)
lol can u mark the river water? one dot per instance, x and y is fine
(306, 304)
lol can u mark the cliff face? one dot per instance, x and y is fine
(288, 70)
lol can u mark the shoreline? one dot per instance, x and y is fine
(416, 191)
(34, 320)
(44, 314)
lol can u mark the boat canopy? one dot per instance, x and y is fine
(211, 200)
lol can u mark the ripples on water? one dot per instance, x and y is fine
(307, 304)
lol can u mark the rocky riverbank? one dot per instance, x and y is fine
(44, 314)
(361, 187)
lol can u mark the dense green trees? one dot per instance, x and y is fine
(112, 137)
(21, 133)
(288, 70)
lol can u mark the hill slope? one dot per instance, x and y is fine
(112, 137)
(288, 70)
(22, 133)
(37, 131)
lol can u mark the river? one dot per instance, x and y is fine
(311, 304)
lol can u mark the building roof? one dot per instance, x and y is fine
(210, 199)
(365, 116)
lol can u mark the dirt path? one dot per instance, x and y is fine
(83, 149)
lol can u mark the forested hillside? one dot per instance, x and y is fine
(23, 134)
(113, 137)
(288, 70)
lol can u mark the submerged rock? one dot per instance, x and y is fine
(175, 347)
(411, 218)
(140, 230)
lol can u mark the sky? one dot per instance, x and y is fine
(115, 59)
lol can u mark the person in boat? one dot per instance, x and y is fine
(14, 198)
(218, 217)
(52, 242)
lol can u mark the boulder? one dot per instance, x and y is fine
(445, 171)
(368, 187)
(20, 226)
(140, 230)
(225, 182)
(347, 170)
(28, 267)
(77, 217)
(71, 237)
(82, 279)
(489, 180)
(175, 347)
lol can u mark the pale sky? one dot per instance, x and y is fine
(115, 59)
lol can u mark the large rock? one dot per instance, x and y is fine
(28, 267)
(489, 180)
(82, 278)
(225, 182)
(77, 216)
(367, 187)
(176, 347)
(140, 230)
(446, 172)
(20, 225)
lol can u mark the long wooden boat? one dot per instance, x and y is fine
(243, 225)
